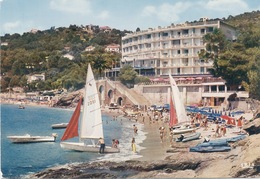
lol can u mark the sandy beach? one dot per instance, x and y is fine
(155, 150)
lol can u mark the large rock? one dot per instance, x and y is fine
(68, 100)
(127, 169)
(253, 127)
(247, 162)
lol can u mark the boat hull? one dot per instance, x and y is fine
(86, 148)
(31, 139)
(210, 149)
(221, 142)
(59, 126)
(183, 131)
(190, 137)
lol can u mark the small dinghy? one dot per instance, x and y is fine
(189, 137)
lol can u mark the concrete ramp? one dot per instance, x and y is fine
(130, 94)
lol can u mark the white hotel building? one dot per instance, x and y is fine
(173, 49)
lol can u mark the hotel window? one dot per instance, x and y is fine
(165, 34)
(186, 51)
(202, 70)
(213, 88)
(185, 32)
(206, 88)
(178, 70)
(221, 88)
(210, 29)
(176, 42)
(202, 31)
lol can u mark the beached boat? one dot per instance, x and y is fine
(221, 142)
(31, 139)
(21, 107)
(59, 126)
(189, 137)
(183, 129)
(178, 115)
(90, 127)
(210, 149)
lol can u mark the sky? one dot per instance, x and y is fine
(19, 16)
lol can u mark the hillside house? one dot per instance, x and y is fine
(36, 77)
(113, 48)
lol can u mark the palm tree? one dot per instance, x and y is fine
(100, 64)
(215, 43)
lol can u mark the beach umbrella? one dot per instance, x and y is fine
(155, 79)
(233, 122)
(229, 120)
(182, 79)
(225, 117)
(190, 79)
(239, 123)
(199, 78)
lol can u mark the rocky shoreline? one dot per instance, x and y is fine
(242, 161)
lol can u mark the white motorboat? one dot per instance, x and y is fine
(59, 126)
(90, 128)
(31, 139)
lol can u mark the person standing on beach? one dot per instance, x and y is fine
(102, 145)
(133, 145)
(161, 130)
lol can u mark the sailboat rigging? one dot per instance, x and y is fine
(90, 127)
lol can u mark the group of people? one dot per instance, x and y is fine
(115, 143)
(102, 144)
(221, 130)
(198, 119)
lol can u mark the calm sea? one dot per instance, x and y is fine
(18, 160)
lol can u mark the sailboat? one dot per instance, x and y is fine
(90, 127)
(179, 115)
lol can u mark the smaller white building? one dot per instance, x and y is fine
(89, 48)
(113, 48)
(70, 57)
(36, 77)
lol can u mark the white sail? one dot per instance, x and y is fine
(179, 105)
(91, 122)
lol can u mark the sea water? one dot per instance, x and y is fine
(18, 160)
